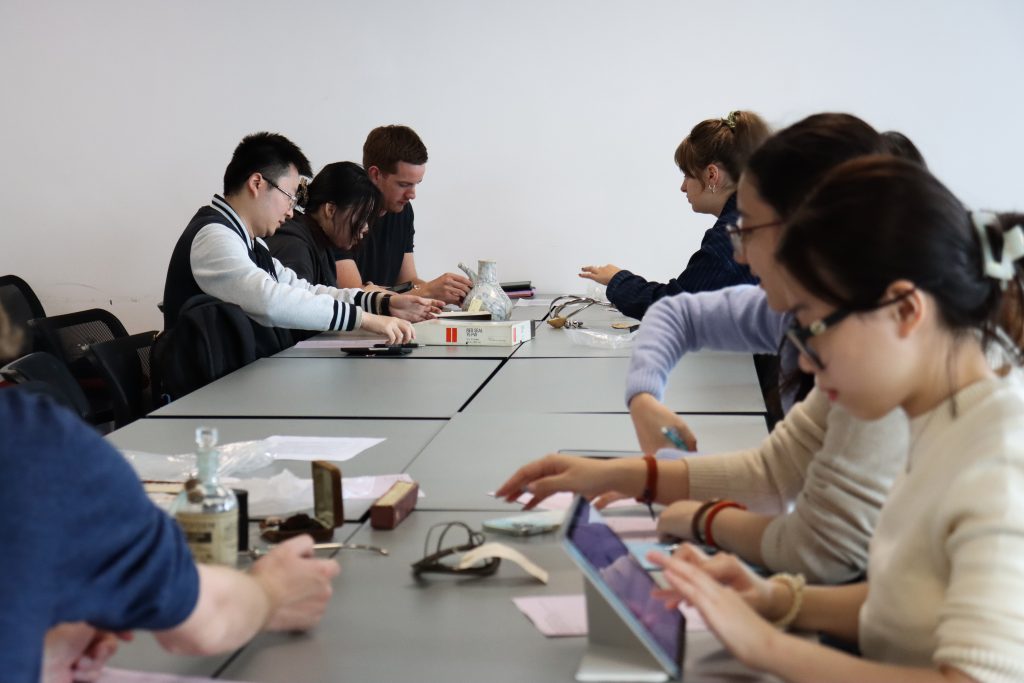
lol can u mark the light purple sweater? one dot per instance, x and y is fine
(731, 319)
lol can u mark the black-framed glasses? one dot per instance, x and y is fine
(736, 232)
(799, 335)
(293, 198)
(442, 559)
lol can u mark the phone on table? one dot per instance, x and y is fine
(381, 350)
(528, 524)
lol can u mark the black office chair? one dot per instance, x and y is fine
(21, 305)
(41, 373)
(125, 365)
(68, 337)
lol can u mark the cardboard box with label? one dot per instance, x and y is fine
(472, 332)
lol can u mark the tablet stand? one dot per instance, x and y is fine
(614, 653)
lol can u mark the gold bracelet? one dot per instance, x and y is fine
(795, 583)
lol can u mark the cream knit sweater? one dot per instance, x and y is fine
(947, 560)
(825, 474)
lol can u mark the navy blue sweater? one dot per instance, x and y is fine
(711, 267)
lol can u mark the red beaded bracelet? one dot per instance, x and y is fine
(709, 538)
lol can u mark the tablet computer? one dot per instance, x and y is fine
(616, 576)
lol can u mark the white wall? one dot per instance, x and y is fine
(550, 124)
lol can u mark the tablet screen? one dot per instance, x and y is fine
(618, 575)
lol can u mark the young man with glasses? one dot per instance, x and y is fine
(222, 253)
(395, 159)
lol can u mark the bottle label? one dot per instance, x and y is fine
(212, 537)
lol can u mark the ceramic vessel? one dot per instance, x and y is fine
(487, 294)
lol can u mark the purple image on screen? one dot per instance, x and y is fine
(609, 556)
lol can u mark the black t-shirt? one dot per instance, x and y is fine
(379, 256)
(303, 247)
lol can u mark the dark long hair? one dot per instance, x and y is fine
(345, 184)
(790, 163)
(787, 166)
(878, 219)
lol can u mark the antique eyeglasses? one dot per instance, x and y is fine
(554, 315)
(442, 559)
(799, 336)
(736, 232)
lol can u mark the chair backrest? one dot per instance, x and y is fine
(210, 339)
(20, 304)
(125, 365)
(41, 368)
(70, 335)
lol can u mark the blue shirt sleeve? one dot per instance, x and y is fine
(711, 267)
(84, 541)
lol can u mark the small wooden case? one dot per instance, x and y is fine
(395, 505)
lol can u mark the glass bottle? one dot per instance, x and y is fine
(207, 511)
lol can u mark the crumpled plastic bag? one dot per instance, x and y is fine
(581, 336)
(236, 459)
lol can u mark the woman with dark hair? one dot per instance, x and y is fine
(711, 158)
(814, 487)
(341, 206)
(898, 293)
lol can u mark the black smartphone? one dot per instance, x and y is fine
(396, 350)
(401, 288)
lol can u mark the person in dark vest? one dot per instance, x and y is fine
(395, 159)
(342, 207)
(222, 253)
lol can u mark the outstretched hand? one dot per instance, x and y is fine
(554, 473)
(599, 274)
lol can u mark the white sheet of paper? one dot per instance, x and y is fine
(125, 676)
(285, 493)
(371, 488)
(563, 500)
(334, 449)
(281, 494)
(558, 616)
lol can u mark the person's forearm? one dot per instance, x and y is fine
(630, 477)
(834, 610)
(803, 661)
(740, 532)
(232, 608)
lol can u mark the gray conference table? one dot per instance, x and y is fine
(326, 345)
(442, 628)
(594, 340)
(145, 654)
(705, 382)
(474, 454)
(344, 387)
(404, 440)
